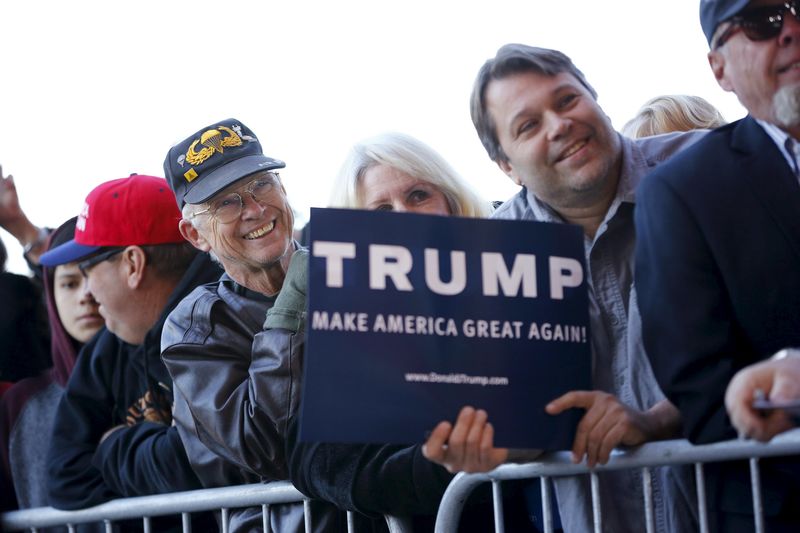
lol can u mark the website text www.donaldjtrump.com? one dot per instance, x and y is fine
(447, 327)
(456, 379)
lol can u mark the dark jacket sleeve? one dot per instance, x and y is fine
(8, 497)
(679, 287)
(148, 458)
(207, 349)
(83, 415)
(371, 479)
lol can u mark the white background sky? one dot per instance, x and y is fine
(93, 91)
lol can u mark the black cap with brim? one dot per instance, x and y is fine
(213, 158)
(715, 12)
(220, 178)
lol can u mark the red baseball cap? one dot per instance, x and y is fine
(137, 210)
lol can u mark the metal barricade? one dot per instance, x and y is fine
(673, 452)
(179, 503)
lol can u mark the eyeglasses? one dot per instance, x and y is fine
(229, 207)
(85, 266)
(761, 23)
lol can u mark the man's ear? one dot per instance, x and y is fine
(505, 166)
(716, 60)
(191, 234)
(133, 262)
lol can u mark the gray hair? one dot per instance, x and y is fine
(514, 59)
(413, 157)
(188, 211)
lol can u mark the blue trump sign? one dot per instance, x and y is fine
(412, 317)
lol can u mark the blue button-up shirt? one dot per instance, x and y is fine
(619, 363)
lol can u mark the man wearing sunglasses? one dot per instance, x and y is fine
(718, 249)
(112, 436)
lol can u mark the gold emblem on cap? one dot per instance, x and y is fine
(190, 175)
(214, 140)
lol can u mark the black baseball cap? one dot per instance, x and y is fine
(213, 158)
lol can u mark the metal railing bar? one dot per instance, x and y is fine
(755, 483)
(351, 527)
(399, 524)
(497, 503)
(702, 507)
(265, 521)
(547, 514)
(186, 522)
(146, 524)
(307, 514)
(647, 489)
(157, 505)
(597, 510)
(672, 452)
(224, 517)
(456, 495)
(651, 454)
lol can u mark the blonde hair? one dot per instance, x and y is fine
(413, 157)
(668, 113)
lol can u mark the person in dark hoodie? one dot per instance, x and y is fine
(24, 332)
(28, 408)
(112, 435)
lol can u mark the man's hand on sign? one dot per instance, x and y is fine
(466, 447)
(609, 423)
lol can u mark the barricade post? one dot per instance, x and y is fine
(222, 499)
(663, 453)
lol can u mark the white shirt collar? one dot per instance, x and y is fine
(786, 144)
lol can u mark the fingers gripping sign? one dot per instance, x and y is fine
(466, 447)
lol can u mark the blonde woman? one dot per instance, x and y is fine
(396, 172)
(665, 114)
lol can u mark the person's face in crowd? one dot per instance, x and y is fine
(259, 240)
(76, 306)
(765, 75)
(384, 188)
(559, 143)
(108, 282)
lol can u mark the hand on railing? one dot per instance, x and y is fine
(609, 423)
(779, 381)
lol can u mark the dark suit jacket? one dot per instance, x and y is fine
(718, 281)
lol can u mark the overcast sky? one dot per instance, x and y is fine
(94, 91)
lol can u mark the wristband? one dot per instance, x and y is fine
(41, 237)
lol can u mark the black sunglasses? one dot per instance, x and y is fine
(86, 265)
(761, 23)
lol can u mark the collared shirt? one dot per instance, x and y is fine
(619, 363)
(789, 147)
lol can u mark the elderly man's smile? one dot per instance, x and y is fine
(260, 232)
